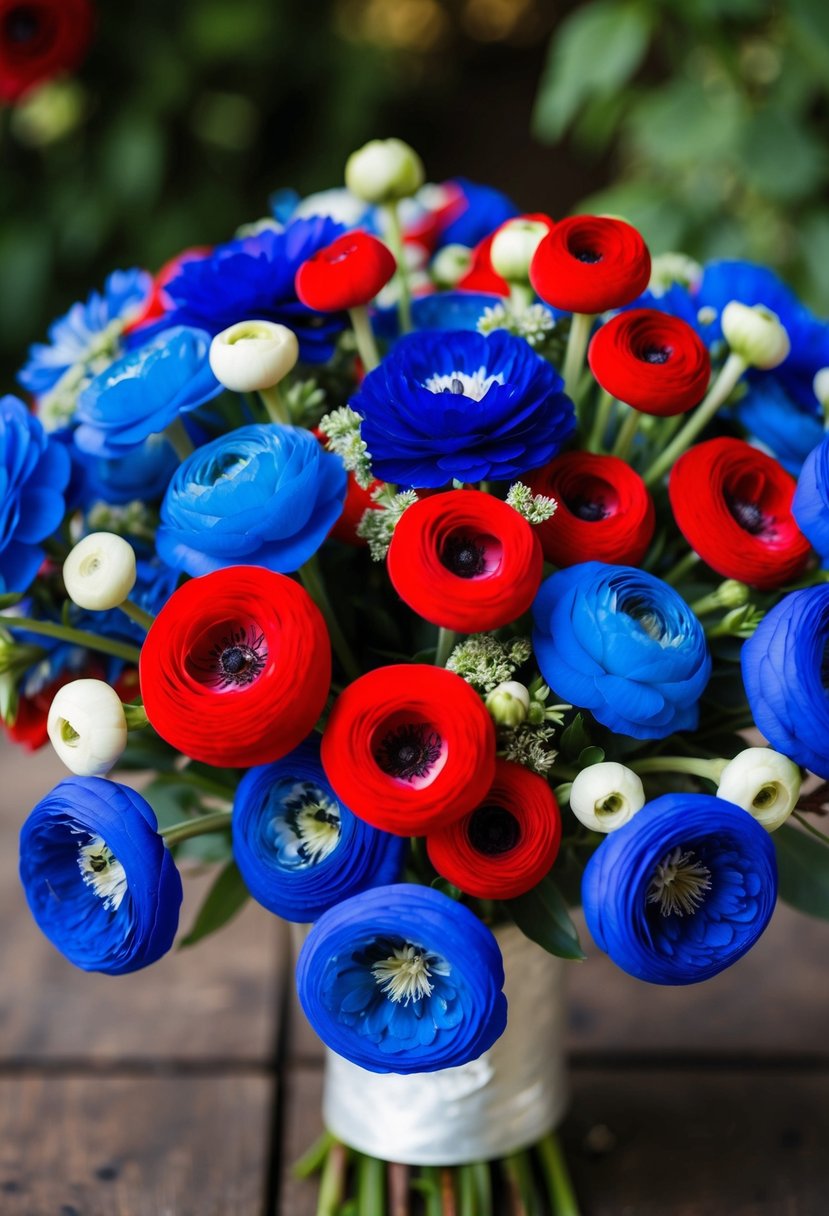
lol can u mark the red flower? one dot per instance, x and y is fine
(505, 845)
(409, 748)
(652, 361)
(733, 505)
(39, 39)
(465, 560)
(590, 263)
(345, 274)
(357, 502)
(236, 667)
(480, 276)
(604, 514)
(29, 728)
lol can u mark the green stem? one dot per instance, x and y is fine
(136, 717)
(395, 235)
(179, 439)
(430, 1179)
(557, 1176)
(627, 434)
(273, 403)
(445, 646)
(684, 566)
(313, 1159)
(137, 614)
(708, 603)
(577, 340)
(467, 1196)
(371, 1187)
(804, 823)
(77, 637)
(217, 821)
(364, 336)
(185, 777)
(483, 1187)
(601, 421)
(332, 1182)
(521, 296)
(718, 394)
(517, 1166)
(696, 767)
(311, 578)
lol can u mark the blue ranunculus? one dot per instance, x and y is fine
(87, 332)
(262, 495)
(780, 421)
(484, 210)
(144, 391)
(623, 644)
(681, 891)
(299, 849)
(253, 278)
(98, 877)
(810, 505)
(785, 673)
(34, 472)
(462, 405)
(403, 979)
(143, 476)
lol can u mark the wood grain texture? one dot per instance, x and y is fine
(302, 1124)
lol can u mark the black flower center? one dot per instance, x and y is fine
(655, 354)
(409, 751)
(493, 830)
(590, 256)
(749, 515)
(237, 659)
(22, 25)
(464, 556)
(589, 509)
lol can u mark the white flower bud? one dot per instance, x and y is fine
(509, 703)
(670, 268)
(513, 248)
(450, 264)
(383, 171)
(99, 572)
(606, 796)
(755, 334)
(763, 782)
(820, 386)
(88, 727)
(253, 355)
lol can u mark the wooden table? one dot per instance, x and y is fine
(187, 1089)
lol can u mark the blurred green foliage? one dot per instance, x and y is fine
(716, 115)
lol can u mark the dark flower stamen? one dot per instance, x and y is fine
(409, 751)
(748, 515)
(22, 25)
(237, 660)
(590, 256)
(493, 830)
(655, 354)
(463, 556)
(591, 510)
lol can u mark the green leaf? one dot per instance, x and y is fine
(543, 916)
(803, 871)
(447, 888)
(226, 897)
(590, 755)
(9, 600)
(780, 158)
(574, 739)
(595, 51)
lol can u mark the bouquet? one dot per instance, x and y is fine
(436, 561)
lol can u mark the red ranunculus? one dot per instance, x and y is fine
(465, 560)
(481, 276)
(652, 361)
(505, 845)
(733, 505)
(30, 726)
(409, 748)
(235, 669)
(605, 513)
(39, 39)
(347, 273)
(589, 264)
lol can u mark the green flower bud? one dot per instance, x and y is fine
(513, 248)
(450, 264)
(509, 704)
(383, 171)
(755, 334)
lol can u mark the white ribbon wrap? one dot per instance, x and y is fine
(510, 1097)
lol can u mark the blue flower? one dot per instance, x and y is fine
(458, 404)
(34, 472)
(681, 891)
(403, 979)
(144, 476)
(144, 391)
(484, 210)
(253, 278)
(262, 495)
(623, 644)
(298, 848)
(98, 877)
(810, 505)
(779, 420)
(786, 674)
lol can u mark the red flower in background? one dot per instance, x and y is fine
(29, 728)
(652, 361)
(236, 667)
(409, 748)
(348, 273)
(589, 264)
(480, 276)
(733, 505)
(604, 514)
(39, 39)
(465, 560)
(505, 845)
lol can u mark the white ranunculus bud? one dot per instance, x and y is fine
(88, 727)
(763, 782)
(606, 796)
(251, 356)
(509, 703)
(450, 264)
(820, 386)
(755, 334)
(383, 171)
(513, 248)
(670, 268)
(99, 572)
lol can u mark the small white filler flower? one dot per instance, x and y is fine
(763, 782)
(253, 355)
(606, 796)
(755, 334)
(99, 572)
(88, 727)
